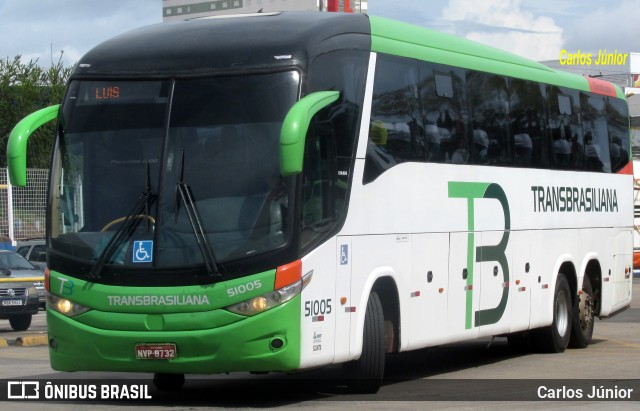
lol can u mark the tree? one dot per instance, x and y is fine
(25, 88)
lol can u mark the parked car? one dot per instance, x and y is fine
(35, 251)
(21, 290)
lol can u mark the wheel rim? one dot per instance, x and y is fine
(586, 311)
(562, 314)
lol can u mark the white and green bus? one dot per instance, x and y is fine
(284, 191)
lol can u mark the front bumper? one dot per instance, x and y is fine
(28, 305)
(243, 345)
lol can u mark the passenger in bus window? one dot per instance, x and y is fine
(460, 155)
(456, 150)
(593, 153)
(481, 145)
(561, 150)
(623, 156)
(433, 142)
(577, 153)
(615, 152)
(523, 147)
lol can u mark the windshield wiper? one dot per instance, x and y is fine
(126, 228)
(184, 195)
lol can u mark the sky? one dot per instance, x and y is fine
(536, 29)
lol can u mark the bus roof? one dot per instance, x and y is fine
(219, 44)
(401, 39)
(201, 46)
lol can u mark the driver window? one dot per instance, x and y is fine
(318, 182)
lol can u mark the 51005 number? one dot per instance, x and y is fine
(243, 288)
(317, 307)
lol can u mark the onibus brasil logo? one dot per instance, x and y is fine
(473, 192)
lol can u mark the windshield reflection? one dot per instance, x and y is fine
(111, 149)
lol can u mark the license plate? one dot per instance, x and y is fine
(11, 302)
(156, 351)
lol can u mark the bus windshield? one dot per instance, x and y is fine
(124, 149)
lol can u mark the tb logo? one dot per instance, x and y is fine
(472, 192)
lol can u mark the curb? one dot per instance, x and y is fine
(31, 341)
(28, 341)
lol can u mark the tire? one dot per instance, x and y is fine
(168, 382)
(583, 317)
(20, 322)
(364, 376)
(555, 338)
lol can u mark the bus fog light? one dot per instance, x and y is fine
(276, 343)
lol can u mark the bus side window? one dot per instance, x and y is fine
(488, 101)
(444, 115)
(396, 134)
(527, 119)
(567, 144)
(618, 124)
(345, 71)
(596, 134)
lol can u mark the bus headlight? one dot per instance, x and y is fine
(64, 306)
(269, 300)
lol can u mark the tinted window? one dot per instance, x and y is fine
(226, 149)
(318, 183)
(488, 101)
(596, 134)
(39, 253)
(395, 133)
(221, 147)
(567, 144)
(442, 92)
(444, 84)
(527, 119)
(618, 124)
(465, 116)
(344, 71)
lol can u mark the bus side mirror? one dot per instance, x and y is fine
(17, 145)
(295, 126)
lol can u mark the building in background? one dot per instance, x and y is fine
(188, 9)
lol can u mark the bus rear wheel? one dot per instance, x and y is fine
(555, 337)
(366, 373)
(583, 317)
(168, 382)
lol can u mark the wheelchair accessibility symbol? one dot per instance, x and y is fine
(142, 251)
(344, 254)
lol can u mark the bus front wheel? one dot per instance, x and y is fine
(555, 337)
(366, 373)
